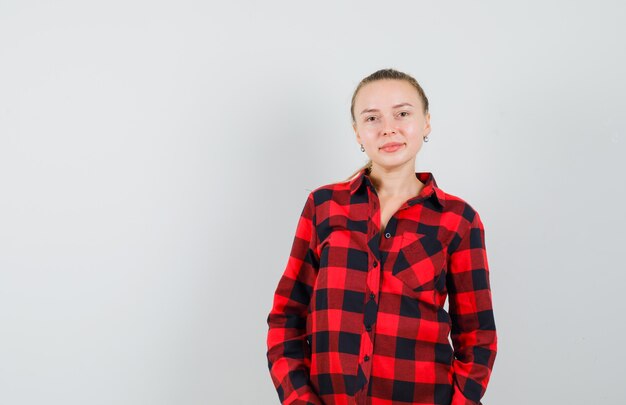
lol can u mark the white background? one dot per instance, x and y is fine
(155, 156)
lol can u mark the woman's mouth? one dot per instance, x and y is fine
(391, 147)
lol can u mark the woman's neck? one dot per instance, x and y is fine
(395, 183)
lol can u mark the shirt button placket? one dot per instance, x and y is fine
(370, 315)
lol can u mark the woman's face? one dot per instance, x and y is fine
(389, 112)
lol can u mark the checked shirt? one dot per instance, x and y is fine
(358, 316)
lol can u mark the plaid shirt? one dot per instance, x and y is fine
(358, 315)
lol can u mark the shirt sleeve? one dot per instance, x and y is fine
(473, 330)
(288, 351)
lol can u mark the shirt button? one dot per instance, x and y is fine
(366, 358)
(368, 328)
(372, 295)
(387, 235)
(375, 264)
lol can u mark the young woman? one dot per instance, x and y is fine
(358, 315)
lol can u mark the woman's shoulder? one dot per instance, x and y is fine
(455, 201)
(461, 207)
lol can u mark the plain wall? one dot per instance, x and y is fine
(155, 156)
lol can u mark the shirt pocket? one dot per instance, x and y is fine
(420, 261)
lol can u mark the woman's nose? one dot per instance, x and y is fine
(388, 127)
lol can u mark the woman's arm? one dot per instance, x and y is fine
(288, 352)
(473, 326)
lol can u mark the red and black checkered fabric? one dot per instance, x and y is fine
(359, 317)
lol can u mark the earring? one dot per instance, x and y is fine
(426, 138)
(362, 148)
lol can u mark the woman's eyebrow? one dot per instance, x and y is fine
(395, 106)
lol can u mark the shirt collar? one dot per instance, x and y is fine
(430, 185)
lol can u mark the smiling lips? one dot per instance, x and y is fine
(391, 146)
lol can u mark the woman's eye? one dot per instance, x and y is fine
(368, 118)
(404, 112)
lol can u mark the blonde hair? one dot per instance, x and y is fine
(382, 75)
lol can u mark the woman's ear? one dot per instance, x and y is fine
(427, 124)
